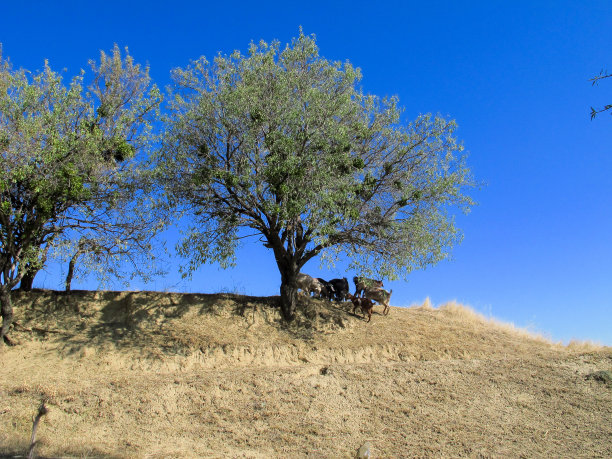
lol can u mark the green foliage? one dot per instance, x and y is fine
(283, 141)
(65, 151)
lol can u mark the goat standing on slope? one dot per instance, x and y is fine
(308, 284)
(381, 296)
(362, 283)
(327, 289)
(365, 304)
(341, 288)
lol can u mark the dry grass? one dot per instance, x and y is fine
(468, 315)
(148, 374)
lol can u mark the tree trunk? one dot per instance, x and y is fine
(27, 281)
(288, 294)
(289, 269)
(7, 314)
(70, 274)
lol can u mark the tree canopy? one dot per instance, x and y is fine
(65, 161)
(286, 144)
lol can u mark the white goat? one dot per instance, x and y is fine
(309, 284)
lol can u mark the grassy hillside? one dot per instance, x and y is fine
(144, 374)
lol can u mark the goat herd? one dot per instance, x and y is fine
(366, 292)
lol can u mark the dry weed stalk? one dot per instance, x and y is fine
(42, 410)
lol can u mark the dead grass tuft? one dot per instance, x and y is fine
(467, 315)
(427, 304)
(584, 346)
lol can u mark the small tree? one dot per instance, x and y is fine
(67, 160)
(285, 144)
(118, 251)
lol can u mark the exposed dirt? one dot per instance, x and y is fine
(145, 374)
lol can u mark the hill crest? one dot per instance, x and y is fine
(212, 330)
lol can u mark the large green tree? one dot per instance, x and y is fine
(285, 144)
(67, 167)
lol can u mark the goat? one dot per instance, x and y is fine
(308, 284)
(365, 304)
(362, 283)
(327, 289)
(379, 295)
(341, 288)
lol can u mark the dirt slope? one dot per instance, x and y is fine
(144, 374)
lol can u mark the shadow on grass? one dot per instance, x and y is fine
(143, 321)
(13, 453)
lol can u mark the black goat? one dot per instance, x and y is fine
(328, 290)
(341, 288)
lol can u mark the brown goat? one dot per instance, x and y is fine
(379, 295)
(365, 304)
(363, 283)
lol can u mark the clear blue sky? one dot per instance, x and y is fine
(538, 248)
